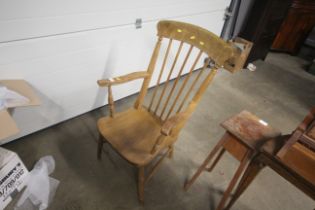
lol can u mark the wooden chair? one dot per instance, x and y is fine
(291, 156)
(142, 133)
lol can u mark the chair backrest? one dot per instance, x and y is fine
(299, 151)
(310, 130)
(304, 134)
(174, 97)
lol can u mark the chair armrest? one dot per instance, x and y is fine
(122, 79)
(172, 122)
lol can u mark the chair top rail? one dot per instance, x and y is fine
(220, 51)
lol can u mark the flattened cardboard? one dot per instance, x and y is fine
(23, 88)
(7, 125)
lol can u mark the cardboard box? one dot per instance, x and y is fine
(8, 126)
(13, 176)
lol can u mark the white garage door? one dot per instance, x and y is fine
(62, 47)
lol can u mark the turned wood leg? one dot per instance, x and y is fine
(216, 160)
(249, 175)
(234, 180)
(141, 184)
(204, 164)
(100, 146)
(171, 152)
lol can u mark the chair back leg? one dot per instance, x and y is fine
(171, 151)
(100, 146)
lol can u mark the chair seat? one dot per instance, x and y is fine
(301, 160)
(132, 133)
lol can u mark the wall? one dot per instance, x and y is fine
(62, 47)
(244, 9)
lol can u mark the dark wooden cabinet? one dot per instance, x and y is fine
(262, 25)
(295, 27)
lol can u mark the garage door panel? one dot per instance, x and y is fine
(29, 19)
(63, 69)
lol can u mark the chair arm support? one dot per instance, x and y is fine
(172, 122)
(167, 129)
(122, 79)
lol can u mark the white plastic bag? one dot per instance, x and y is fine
(9, 98)
(40, 188)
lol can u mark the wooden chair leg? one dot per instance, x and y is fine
(141, 184)
(234, 180)
(216, 160)
(204, 164)
(100, 146)
(171, 152)
(249, 175)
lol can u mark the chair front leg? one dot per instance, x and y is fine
(141, 181)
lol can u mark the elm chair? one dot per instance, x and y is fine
(142, 133)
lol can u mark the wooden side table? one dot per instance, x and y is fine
(291, 156)
(245, 134)
(297, 167)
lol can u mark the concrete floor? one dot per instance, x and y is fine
(278, 91)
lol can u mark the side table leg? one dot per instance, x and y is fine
(216, 160)
(205, 163)
(250, 173)
(234, 180)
